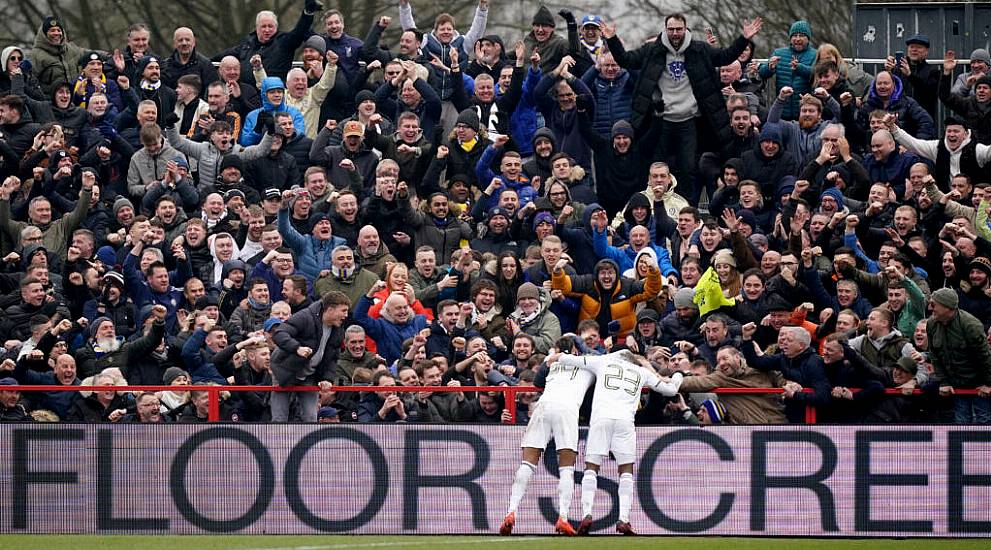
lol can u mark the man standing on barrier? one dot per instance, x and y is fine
(306, 354)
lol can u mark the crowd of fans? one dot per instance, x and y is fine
(447, 210)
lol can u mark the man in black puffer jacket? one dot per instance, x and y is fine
(678, 79)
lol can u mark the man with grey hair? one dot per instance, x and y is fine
(834, 152)
(798, 363)
(345, 275)
(275, 48)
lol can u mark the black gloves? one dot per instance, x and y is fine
(171, 119)
(312, 6)
(263, 122)
(567, 16)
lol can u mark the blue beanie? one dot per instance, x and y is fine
(836, 194)
(543, 217)
(801, 27)
(107, 256)
(770, 132)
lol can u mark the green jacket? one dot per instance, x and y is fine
(55, 63)
(959, 351)
(355, 286)
(914, 309)
(57, 233)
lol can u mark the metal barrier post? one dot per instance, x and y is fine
(213, 413)
(511, 402)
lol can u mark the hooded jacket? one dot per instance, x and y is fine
(799, 79)
(699, 66)
(673, 202)
(54, 62)
(544, 327)
(209, 157)
(912, 118)
(27, 81)
(539, 166)
(621, 300)
(248, 134)
(770, 172)
(624, 257)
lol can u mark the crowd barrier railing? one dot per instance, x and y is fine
(509, 392)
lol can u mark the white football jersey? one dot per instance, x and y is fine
(618, 384)
(566, 386)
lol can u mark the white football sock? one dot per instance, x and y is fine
(565, 490)
(625, 497)
(520, 482)
(590, 483)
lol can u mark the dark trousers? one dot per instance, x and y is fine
(678, 147)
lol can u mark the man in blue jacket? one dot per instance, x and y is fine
(156, 285)
(273, 94)
(315, 250)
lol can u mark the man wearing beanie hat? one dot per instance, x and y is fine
(684, 323)
(769, 164)
(104, 349)
(113, 304)
(552, 47)
(972, 107)
(960, 356)
(54, 57)
(315, 250)
(149, 70)
(532, 317)
(980, 65)
(468, 142)
(492, 57)
(791, 67)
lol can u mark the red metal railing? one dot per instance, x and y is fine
(509, 392)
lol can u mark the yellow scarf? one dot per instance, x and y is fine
(470, 144)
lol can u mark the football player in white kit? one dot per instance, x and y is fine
(555, 416)
(619, 379)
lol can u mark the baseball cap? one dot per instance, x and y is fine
(591, 20)
(353, 128)
(271, 323)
